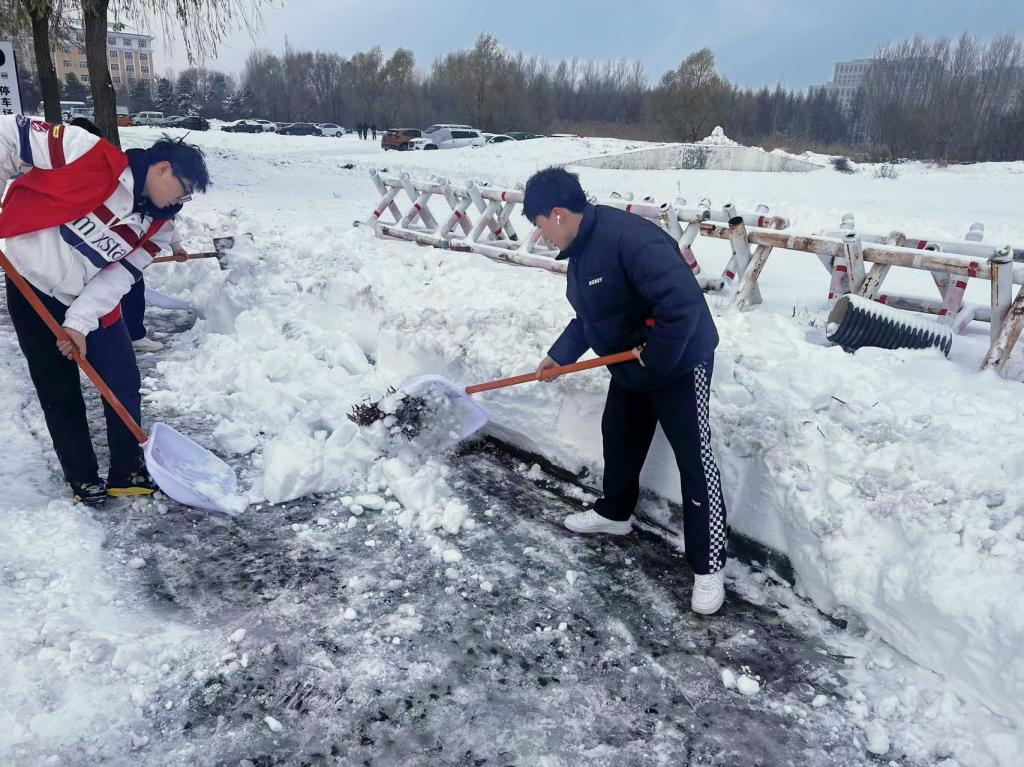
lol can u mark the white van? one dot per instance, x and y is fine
(148, 118)
(451, 138)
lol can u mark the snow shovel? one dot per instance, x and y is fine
(187, 472)
(156, 298)
(221, 245)
(407, 410)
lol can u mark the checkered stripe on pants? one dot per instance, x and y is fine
(716, 503)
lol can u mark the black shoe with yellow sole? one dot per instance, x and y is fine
(92, 493)
(136, 483)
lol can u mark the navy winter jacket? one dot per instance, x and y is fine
(623, 272)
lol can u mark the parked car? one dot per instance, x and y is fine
(330, 129)
(498, 138)
(524, 136)
(398, 138)
(417, 144)
(189, 122)
(242, 126)
(148, 118)
(166, 120)
(267, 126)
(442, 126)
(299, 129)
(124, 120)
(453, 138)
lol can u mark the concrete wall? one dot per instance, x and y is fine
(700, 157)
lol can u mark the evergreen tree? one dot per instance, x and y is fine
(74, 89)
(140, 97)
(188, 104)
(165, 100)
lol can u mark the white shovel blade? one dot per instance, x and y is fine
(191, 474)
(466, 416)
(164, 301)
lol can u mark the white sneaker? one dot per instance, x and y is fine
(145, 344)
(590, 521)
(708, 593)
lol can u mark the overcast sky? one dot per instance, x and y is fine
(756, 42)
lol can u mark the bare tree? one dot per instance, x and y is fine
(104, 100)
(687, 98)
(202, 23)
(43, 18)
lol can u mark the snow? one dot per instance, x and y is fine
(885, 476)
(746, 685)
(718, 138)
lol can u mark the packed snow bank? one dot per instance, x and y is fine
(715, 152)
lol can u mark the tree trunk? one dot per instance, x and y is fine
(48, 83)
(104, 99)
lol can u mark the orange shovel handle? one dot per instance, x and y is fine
(51, 323)
(610, 359)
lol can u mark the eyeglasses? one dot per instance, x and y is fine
(186, 190)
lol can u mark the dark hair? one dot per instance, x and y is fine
(553, 188)
(86, 125)
(187, 161)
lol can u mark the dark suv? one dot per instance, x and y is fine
(399, 138)
(299, 129)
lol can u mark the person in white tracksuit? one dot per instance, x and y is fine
(80, 226)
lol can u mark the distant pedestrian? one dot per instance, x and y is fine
(374, 129)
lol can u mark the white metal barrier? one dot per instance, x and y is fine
(479, 219)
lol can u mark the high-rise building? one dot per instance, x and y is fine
(847, 78)
(129, 56)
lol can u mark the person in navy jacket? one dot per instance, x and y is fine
(631, 289)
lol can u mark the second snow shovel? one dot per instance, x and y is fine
(187, 472)
(433, 409)
(221, 245)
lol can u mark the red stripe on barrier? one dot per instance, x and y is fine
(972, 269)
(376, 213)
(730, 275)
(760, 220)
(417, 206)
(943, 312)
(921, 244)
(883, 299)
(841, 268)
(458, 214)
(629, 208)
(961, 284)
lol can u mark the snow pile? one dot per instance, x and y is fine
(718, 138)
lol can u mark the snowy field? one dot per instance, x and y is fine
(885, 477)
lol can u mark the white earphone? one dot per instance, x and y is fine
(558, 219)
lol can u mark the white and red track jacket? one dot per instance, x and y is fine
(90, 262)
